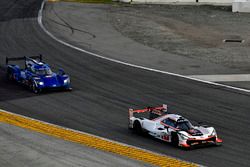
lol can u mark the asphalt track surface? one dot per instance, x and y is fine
(28, 152)
(103, 91)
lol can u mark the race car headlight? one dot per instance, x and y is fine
(66, 81)
(184, 137)
(40, 83)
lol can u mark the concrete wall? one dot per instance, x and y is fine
(163, 1)
(217, 1)
(222, 2)
(241, 6)
(237, 5)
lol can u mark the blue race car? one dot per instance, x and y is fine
(36, 74)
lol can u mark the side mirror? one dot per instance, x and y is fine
(160, 128)
(61, 72)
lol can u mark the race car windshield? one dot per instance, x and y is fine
(43, 71)
(184, 125)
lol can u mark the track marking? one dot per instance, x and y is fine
(224, 78)
(128, 64)
(92, 141)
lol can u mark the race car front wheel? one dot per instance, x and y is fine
(175, 139)
(34, 88)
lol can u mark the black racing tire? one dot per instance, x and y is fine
(137, 128)
(175, 139)
(34, 88)
(9, 76)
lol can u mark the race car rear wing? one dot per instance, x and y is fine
(155, 110)
(23, 58)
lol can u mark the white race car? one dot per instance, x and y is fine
(172, 128)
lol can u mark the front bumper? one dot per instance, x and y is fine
(54, 87)
(199, 142)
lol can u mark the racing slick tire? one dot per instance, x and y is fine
(9, 76)
(175, 139)
(137, 128)
(34, 88)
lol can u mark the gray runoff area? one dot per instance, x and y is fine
(103, 91)
(186, 40)
(22, 147)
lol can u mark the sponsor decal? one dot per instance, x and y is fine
(165, 136)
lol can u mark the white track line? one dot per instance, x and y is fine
(224, 78)
(128, 64)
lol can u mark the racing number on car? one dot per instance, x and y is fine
(165, 136)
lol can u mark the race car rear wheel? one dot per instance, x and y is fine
(137, 127)
(174, 139)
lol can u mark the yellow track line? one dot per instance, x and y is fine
(91, 141)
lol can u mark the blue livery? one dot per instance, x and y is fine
(36, 74)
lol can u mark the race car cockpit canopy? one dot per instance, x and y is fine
(41, 69)
(184, 124)
(180, 123)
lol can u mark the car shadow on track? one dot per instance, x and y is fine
(10, 90)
